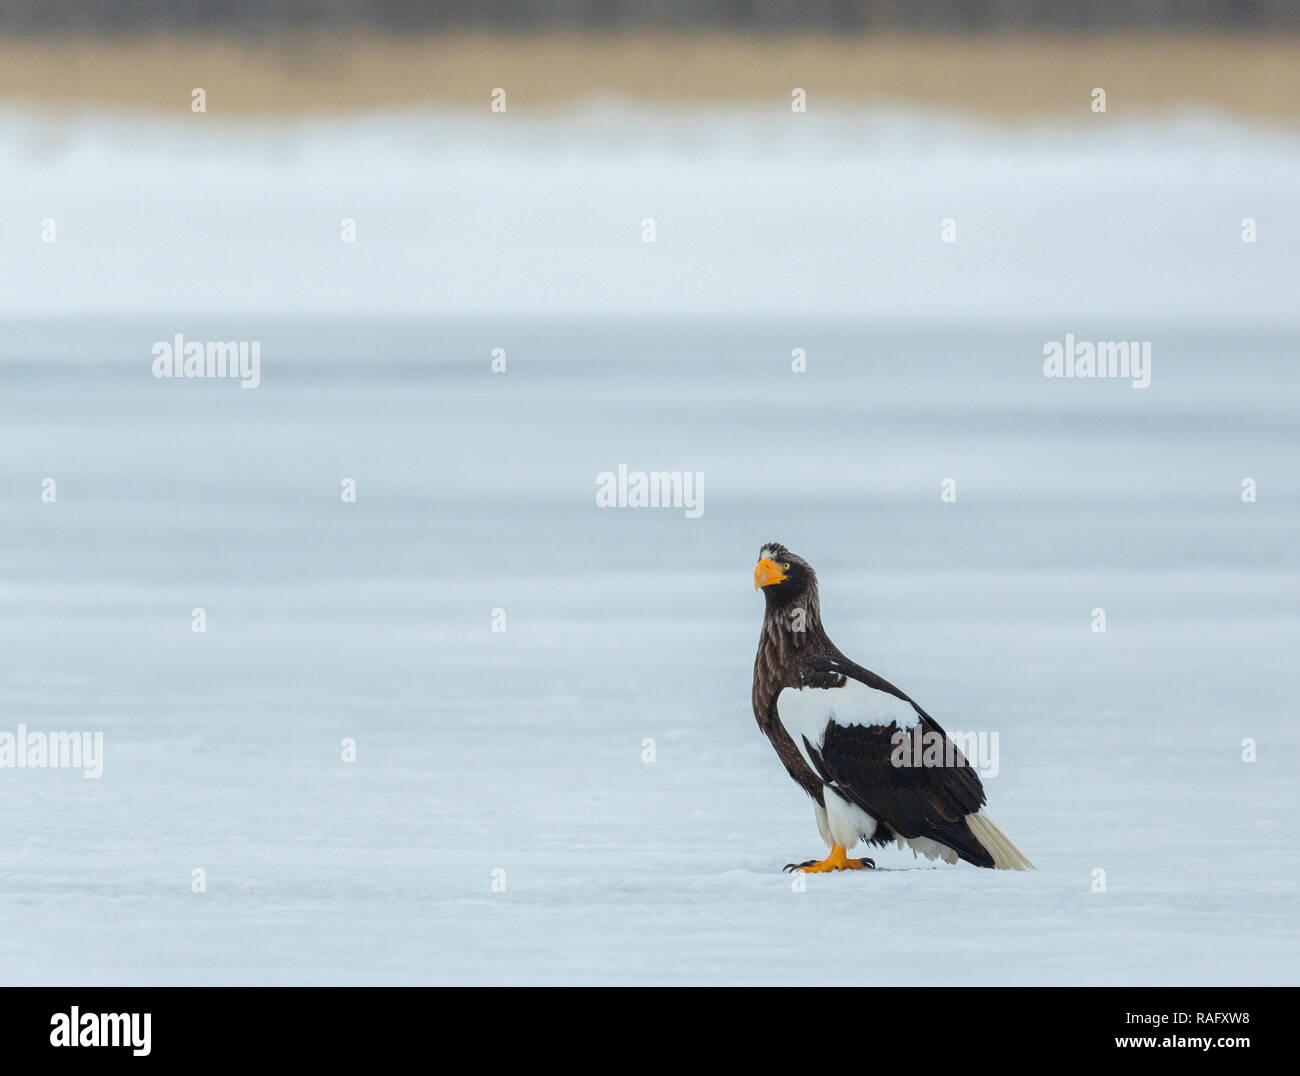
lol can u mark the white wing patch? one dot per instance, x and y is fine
(807, 711)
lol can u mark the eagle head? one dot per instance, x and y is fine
(783, 576)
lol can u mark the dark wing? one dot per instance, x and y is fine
(892, 774)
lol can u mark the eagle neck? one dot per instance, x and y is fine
(794, 625)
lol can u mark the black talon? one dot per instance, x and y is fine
(870, 864)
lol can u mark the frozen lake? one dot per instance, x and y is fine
(521, 751)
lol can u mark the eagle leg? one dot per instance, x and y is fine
(838, 860)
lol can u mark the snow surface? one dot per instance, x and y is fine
(826, 214)
(522, 750)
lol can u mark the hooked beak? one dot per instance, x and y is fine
(766, 573)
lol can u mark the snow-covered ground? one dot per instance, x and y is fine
(480, 752)
(823, 215)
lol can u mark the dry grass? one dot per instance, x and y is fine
(1016, 77)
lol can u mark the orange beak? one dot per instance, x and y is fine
(766, 573)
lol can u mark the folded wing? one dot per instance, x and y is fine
(879, 749)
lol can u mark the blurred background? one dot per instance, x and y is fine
(1008, 56)
(675, 200)
(831, 15)
(793, 160)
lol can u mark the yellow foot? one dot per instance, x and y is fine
(838, 860)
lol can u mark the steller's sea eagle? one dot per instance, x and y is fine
(878, 767)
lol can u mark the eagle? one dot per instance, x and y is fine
(877, 766)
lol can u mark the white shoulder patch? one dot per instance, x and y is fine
(807, 711)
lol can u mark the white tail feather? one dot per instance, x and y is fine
(1006, 856)
(923, 846)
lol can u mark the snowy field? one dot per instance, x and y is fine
(480, 752)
